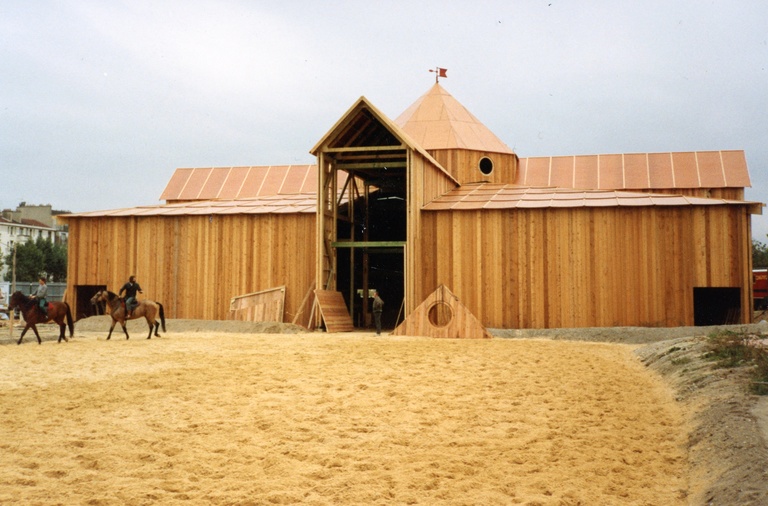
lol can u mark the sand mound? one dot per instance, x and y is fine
(138, 326)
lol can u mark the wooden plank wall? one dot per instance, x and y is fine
(537, 268)
(264, 306)
(425, 183)
(550, 268)
(463, 165)
(431, 182)
(194, 265)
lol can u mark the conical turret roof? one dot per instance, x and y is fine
(438, 121)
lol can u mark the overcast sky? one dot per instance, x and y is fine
(102, 100)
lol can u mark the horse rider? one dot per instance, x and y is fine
(130, 289)
(40, 294)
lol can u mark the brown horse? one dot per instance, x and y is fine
(57, 312)
(116, 308)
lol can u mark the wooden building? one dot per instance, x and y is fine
(434, 199)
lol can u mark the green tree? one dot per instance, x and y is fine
(30, 262)
(57, 263)
(38, 258)
(759, 255)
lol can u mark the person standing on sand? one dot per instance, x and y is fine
(378, 307)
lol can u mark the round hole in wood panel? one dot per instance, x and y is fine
(440, 314)
(485, 165)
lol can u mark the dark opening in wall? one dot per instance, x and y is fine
(716, 306)
(485, 165)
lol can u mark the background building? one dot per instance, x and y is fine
(29, 222)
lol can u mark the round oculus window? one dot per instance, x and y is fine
(485, 165)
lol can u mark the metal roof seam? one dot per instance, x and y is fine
(722, 168)
(242, 183)
(599, 162)
(525, 176)
(623, 171)
(573, 173)
(264, 180)
(304, 181)
(186, 181)
(285, 178)
(698, 168)
(648, 170)
(221, 188)
(549, 175)
(672, 166)
(207, 177)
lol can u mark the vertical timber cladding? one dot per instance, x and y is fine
(229, 255)
(425, 183)
(463, 164)
(194, 265)
(584, 267)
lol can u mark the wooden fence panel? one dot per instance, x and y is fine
(264, 306)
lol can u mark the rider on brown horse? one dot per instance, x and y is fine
(58, 312)
(130, 289)
(39, 295)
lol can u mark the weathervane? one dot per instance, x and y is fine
(439, 72)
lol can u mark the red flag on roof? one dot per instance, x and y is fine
(439, 72)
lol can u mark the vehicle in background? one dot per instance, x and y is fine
(760, 288)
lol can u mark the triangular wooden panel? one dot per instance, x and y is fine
(442, 315)
(334, 311)
(264, 306)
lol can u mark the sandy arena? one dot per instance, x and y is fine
(209, 415)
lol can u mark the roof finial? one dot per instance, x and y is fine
(439, 72)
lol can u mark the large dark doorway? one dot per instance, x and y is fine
(379, 219)
(83, 306)
(716, 306)
(385, 274)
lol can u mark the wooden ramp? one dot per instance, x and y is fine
(442, 315)
(264, 306)
(334, 311)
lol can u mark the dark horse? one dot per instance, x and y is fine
(116, 308)
(57, 312)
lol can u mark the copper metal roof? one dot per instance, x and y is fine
(438, 121)
(272, 204)
(227, 183)
(502, 196)
(636, 171)
(468, 197)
